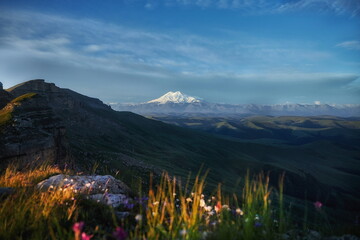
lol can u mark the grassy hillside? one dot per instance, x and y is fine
(133, 145)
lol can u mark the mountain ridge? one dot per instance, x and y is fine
(174, 97)
(186, 105)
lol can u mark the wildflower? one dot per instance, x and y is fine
(213, 198)
(211, 213)
(202, 196)
(188, 200)
(138, 217)
(129, 205)
(155, 203)
(239, 212)
(218, 206)
(87, 185)
(174, 194)
(257, 224)
(119, 234)
(257, 217)
(192, 194)
(183, 232)
(202, 203)
(318, 205)
(84, 236)
(208, 208)
(225, 207)
(78, 227)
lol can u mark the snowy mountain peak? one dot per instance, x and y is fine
(174, 97)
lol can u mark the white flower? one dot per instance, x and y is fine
(189, 199)
(208, 208)
(225, 206)
(138, 217)
(174, 194)
(202, 196)
(202, 203)
(183, 232)
(239, 211)
(155, 203)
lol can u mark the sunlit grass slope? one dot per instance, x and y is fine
(171, 209)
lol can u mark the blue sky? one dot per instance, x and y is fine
(228, 51)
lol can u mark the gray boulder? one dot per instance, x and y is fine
(100, 188)
(93, 184)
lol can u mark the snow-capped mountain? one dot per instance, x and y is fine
(176, 103)
(174, 97)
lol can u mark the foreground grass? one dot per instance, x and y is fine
(170, 210)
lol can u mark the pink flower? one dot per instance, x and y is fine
(78, 227)
(318, 205)
(84, 236)
(119, 234)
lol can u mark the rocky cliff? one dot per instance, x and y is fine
(33, 132)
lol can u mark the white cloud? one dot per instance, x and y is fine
(349, 7)
(129, 61)
(352, 45)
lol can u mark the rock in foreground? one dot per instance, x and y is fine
(101, 188)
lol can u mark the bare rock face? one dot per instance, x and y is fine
(39, 126)
(100, 188)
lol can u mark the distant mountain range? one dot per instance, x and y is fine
(176, 103)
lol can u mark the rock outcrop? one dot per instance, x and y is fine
(34, 133)
(39, 126)
(101, 188)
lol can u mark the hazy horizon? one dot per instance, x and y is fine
(223, 51)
